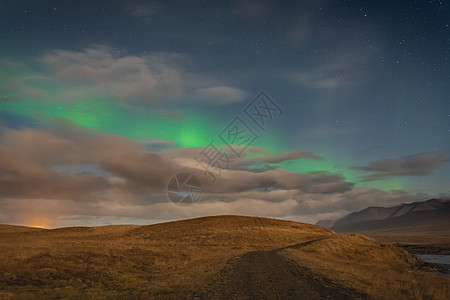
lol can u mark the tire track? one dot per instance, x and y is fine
(268, 275)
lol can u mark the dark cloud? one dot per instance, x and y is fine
(153, 145)
(326, 183)
(250, 156)
(27, 157)
(237, 181)
(420, 164)
(275, 159)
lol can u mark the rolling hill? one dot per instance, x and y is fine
(207, 258)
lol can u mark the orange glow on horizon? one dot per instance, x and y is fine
(38, 222)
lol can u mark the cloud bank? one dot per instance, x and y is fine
(72, 175)
(412, 165)
(100, 71)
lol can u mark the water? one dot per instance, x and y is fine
(443, 260)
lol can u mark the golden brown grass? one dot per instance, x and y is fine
(166, 260)
(382, 271)
(428, 238)
(156, 261)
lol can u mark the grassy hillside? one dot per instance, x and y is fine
(156, 260)
(381, 270)
(171, 259)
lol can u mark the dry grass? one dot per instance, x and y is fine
(437, 241)
(382, 271)
(157, 261)
(166, 260)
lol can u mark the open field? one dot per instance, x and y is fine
(199, 258)
(416, 241)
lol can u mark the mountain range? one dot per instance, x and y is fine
(430, 215)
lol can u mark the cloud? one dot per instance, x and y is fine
(238, 178)
(311, 207)
(220, 94)
(251, 157)
(143, 10)
(133, 182)
(119, 207)
(151, 77)
(420, 164)
(155, 145)
(10, 83)
(27, 157)
(234, 181)
(276, 159)
(102, 71)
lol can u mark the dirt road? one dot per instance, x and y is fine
(268, 275)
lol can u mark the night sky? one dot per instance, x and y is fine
(335, 106)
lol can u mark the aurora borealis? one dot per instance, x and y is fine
(102, 102)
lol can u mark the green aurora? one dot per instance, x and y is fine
(193, 129)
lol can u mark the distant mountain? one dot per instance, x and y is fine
(432, 214)
(326, 223)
